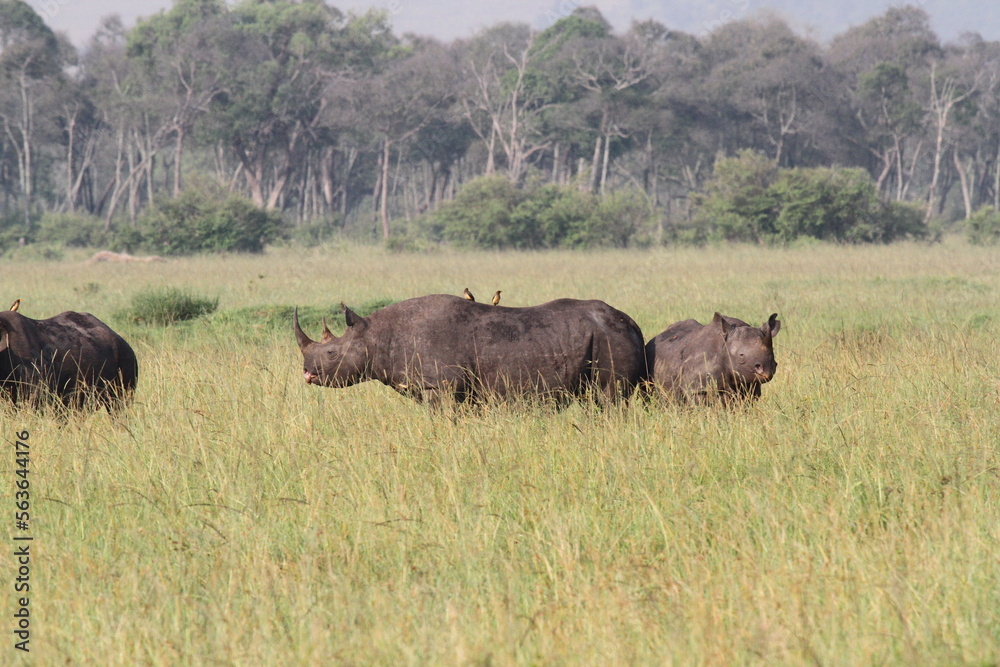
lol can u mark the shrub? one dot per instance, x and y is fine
(750, 200)
(983, 227)
(320, 231)
(738, 204)
(12, 230)
(621, 219)
(491, 212)
(206, 218)
(480, 215)
(162, 306)
(70, 229)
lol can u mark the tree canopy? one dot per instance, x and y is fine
(335, 123)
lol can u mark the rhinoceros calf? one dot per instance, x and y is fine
(440, 345)
(72, 356)
(727, 358)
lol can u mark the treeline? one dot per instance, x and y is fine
(329, 123)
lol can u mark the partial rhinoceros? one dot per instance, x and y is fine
(72, 357)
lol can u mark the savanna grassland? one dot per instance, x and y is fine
(238, 516)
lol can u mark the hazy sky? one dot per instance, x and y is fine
(449, 19)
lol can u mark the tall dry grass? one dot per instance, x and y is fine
(237, 516)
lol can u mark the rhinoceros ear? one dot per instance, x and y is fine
(354, 320)
(327, 334)
(772, 326)
(303, 340)
(719, 321)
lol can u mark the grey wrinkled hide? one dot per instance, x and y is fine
(440, 345)
(73, 357)
(726, 359)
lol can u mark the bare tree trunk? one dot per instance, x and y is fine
(116, 182)
(26, 133)
(936, 171)
(594, 163)
(900, 176)
(604, 167)
(490, 159)
(177, 160)
(326, 176)
(883, 175)
(352, 157)
(964, 183)
(77, 175)
(132, 189)
(384, 197)
(70, 157)
(913, 168)
(150, 159)
(996, 181)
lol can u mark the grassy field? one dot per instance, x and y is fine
(238, 516)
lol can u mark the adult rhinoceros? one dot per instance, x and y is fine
(440, 345)
(72, 356)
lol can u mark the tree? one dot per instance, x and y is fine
(497, 101)
(31, 59)
(175, 54)
(767, 79)
(883, 65)
(950, 90)
(611, 71)
(398, 103)
(273, 61)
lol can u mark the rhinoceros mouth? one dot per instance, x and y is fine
(310, 377)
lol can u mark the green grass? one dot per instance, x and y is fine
(163, 306)
(238, 516)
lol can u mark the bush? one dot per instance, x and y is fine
(621, 219)
(738, 204)
(162, 306)
(480, 215)
(749, 199)
(320, 231)
(983, 227)
(71, 230)
(52, 230)
(206, 218)
(491, 212)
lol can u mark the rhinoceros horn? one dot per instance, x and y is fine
(327, 334)
(300, 335)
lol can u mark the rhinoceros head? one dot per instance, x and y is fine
(750, 349)
(332, 361)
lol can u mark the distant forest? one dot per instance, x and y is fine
(338, 125)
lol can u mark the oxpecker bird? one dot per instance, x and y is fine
(496, 298)
(14, 306)
(468, 295)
